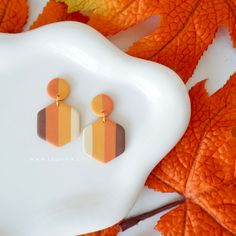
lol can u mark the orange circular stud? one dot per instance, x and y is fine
(102, 104)
(58, 89)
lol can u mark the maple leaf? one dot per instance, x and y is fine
(186, 29)
(13, 15)
(55, 12)
(111, 231)
(202, 166)
(110, 17)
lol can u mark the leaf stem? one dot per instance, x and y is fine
(132, 221)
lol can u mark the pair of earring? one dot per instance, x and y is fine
(59, 123)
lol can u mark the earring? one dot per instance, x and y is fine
(103, 140)
(58, 123)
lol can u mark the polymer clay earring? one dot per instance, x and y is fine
(58, 123)
(103, 140)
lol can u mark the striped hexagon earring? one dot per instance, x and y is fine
(58, 123)
(103, 140)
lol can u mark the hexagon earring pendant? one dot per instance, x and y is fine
(103, 140)
(58, 123)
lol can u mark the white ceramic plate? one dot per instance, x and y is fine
(59, 191)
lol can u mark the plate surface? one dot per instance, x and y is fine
(60, 191)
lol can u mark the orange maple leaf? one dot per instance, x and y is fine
(202, 166)
(110, 17)
(186, 29)
(13, 15)
(55, 12)
(111, 231)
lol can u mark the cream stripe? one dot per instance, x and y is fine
(75, 124)
(88, 140)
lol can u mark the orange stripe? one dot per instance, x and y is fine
(57, 88)
(107, 105)
(64, 124)
(110, 141)
(52, 124)
(63, 88)
(103, 98)
(53, 88)
(98, 140)
(98, 104)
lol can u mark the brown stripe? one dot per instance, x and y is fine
(42, 124)
(120, 140)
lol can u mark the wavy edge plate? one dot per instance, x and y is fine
(160, 85)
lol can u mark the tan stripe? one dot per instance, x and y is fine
(52, 124)
(64, 127)
(88, 140)
(110, 141)
(75, 124)
(98, 140)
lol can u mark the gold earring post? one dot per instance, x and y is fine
(58, 101)
(103, 117)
